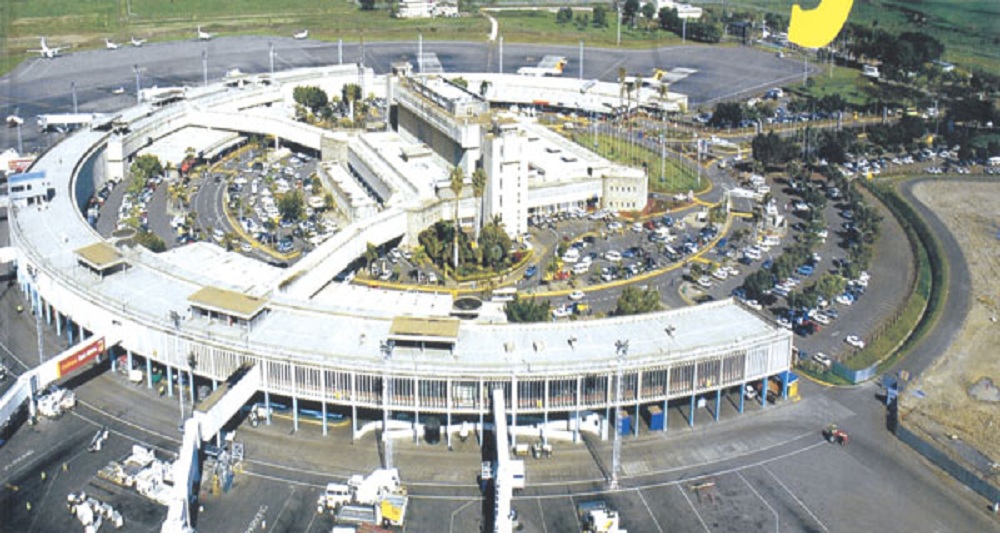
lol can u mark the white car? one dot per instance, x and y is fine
(246, 247)
(704, 282)
(576, 295)
(855, 341)
(754, 304)
(614, 225)
(845, 299)
(721, 274)
(612, 255)
(822, 359)
(561, 312)
(822, 319)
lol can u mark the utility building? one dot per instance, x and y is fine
(506, 195)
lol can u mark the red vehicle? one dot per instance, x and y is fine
(833, 434)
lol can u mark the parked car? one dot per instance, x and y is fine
(855, 341)
(822, 359)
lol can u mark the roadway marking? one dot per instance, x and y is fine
(451, 524)
(696, 513)
(643, 498)
(277, 519)
(796, 498)
(545, 528)
(777, 521)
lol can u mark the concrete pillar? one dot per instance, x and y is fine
(784, 385)
(149, 373)
(743, 395)
(48, 314)
(114, 360)
(763, 393)
(354, 422)
(448, 428)
(69, 331)
(324, 418)
(215, 385)
(691, 412)
(170, 381)
(666, 414)
(59, 324)
(416, 427)
(718, 403)
(128, 359)
(295, 413)
(267, 407)
(482, 410)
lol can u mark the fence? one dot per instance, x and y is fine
(942, 461)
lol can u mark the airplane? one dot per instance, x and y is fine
(304, 34)
(111, 45)
(14, 121)
(204, 35)
(46, 52)
(138, 42)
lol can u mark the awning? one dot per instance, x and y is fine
(227, 302)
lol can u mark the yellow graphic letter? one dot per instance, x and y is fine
(815, 28)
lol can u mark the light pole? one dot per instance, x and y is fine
(204, 67)
(270, 55)
(138, 87)
(621, 349)
(176, 318)
(386, 347)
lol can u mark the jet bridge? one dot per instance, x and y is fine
(508, 473)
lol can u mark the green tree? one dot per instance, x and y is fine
(494, 246)
(728, 115)
(310, 97)
(461, 82)
(669, 20)
(457, 178)
(771, 149)
(634, 301)
(367, 5)
(478, 188)
(630, 10)
(527, 310)
(648, 13)
(291, 205)
(600, 16)
(564, 15)
(151, 241)
(143, 168)
(830, 285)
(371, 254)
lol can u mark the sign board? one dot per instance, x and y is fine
(79, 358)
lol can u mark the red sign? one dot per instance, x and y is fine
(85, 355)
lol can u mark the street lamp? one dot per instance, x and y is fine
(386, 348)
(621, 349)
(176, 318)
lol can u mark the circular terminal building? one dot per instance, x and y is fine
(313, 342)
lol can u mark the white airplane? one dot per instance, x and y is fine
(304, 34)
(138, 42)
(14, 121)
(204, 35)
(47, 52)
(111, 45)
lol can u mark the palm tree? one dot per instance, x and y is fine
(478, 188)
(457, 182)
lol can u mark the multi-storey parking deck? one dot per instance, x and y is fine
(203, 309)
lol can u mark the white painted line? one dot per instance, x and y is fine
(545, 529)
(643, 498)
(451, 526)
(696, 513)
(277, 519)
(796, 498)
(777, 522)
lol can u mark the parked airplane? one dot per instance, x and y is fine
(14, 121)
(111, 45)
(47, 52)
(304, 34)
(204, 35)
(138, 42)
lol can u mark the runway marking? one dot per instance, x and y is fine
(643, 498)
(777, 521)
(451, 524)
(796, 498)
(696, 513)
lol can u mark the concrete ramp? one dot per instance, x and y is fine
(227, 400)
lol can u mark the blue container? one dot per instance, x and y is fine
(626, 425)
(655, 418)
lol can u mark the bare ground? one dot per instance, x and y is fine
(949, 410)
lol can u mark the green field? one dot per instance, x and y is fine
(676, 178)
(970, 29)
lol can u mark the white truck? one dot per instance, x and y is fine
(335, 495)
(367, 490)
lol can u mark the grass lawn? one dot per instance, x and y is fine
(847, 82)
(676, 178)
(969, 29)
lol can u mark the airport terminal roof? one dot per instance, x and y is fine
(227, 302)
(173, 147)
(100, 256)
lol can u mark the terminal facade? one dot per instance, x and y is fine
(204, 311)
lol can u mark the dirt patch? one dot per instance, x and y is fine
(960, 397)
